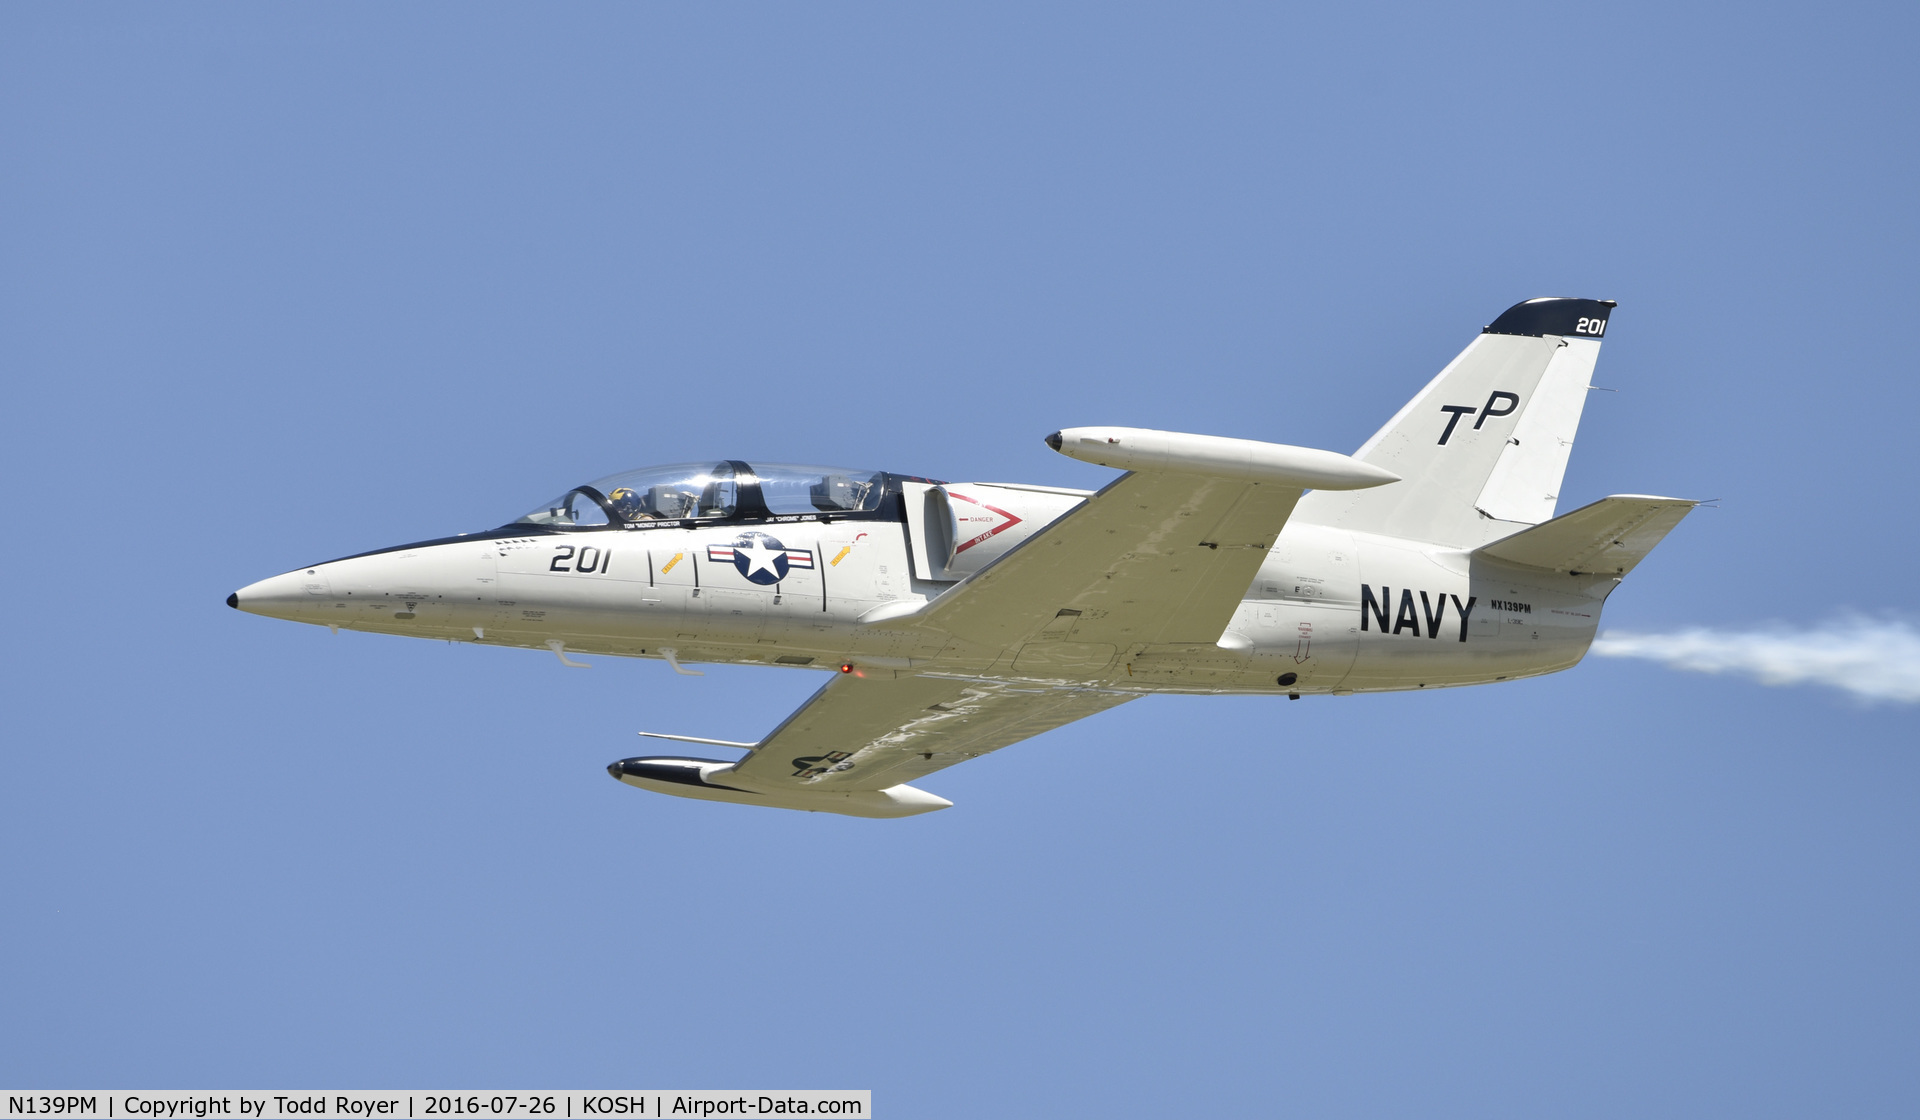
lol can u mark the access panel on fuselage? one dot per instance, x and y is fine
(424, 590)
(864, 564)
(587, 583)
(759, 575)
(674, 591)
(1300, 610)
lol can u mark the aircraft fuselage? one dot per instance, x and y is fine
(965, 617)
(1331, 610)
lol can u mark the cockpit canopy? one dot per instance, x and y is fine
(711, 491)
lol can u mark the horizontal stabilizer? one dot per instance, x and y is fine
(1608, 537)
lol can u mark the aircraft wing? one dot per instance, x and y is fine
(1163, 554)
(872, 732)
(1154, 557)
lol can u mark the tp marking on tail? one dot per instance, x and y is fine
(1486, 411)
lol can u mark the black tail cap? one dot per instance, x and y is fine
(1582, 318)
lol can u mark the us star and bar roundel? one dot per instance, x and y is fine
(760, 557)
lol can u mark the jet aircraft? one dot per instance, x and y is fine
(961, 617)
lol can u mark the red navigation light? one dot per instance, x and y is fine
(846, 667)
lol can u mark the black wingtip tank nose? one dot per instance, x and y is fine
(1053, 441)
(233, 600)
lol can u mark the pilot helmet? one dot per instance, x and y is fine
(626, 503)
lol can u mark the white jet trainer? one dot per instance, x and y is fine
(961, 617)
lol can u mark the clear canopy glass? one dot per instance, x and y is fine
(786, 488)
(683, 491)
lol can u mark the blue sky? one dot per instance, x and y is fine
(283, 283)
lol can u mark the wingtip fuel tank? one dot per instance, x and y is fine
(1145, 449)
(707, 779)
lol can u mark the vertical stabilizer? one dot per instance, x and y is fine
(1483, 448)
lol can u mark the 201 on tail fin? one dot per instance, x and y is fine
(1484, 446)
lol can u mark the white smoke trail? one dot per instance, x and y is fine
(1872, 660)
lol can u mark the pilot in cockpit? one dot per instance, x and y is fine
(658, 503)
(628, 504)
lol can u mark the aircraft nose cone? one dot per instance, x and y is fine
(301, 595)
(613, 770)
(1053, 441)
